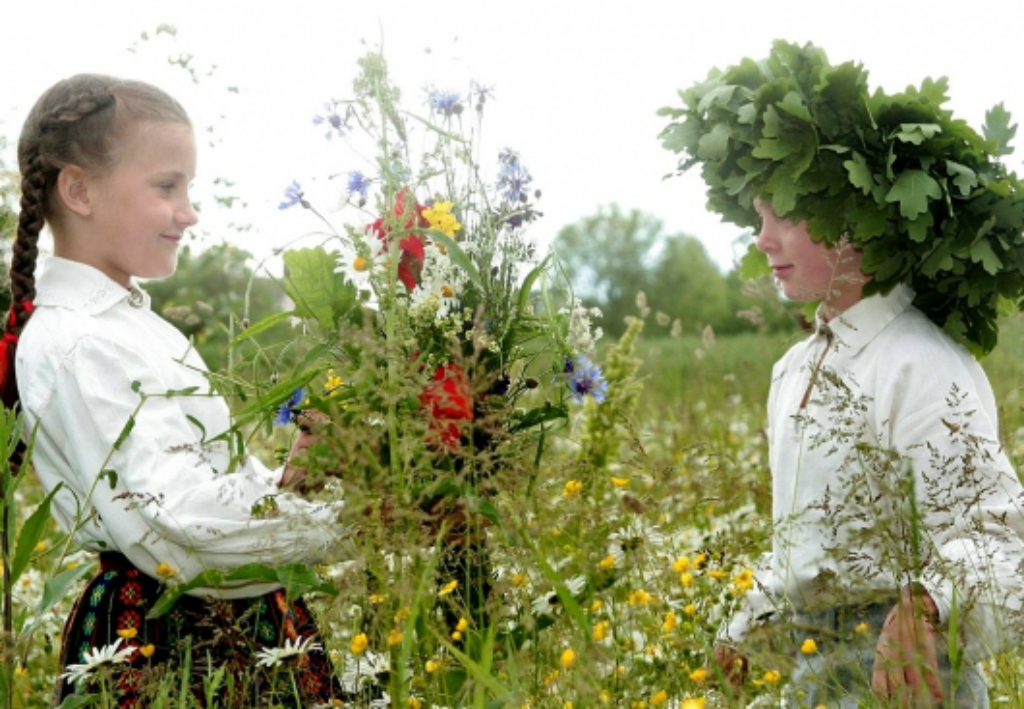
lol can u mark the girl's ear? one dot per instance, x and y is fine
(73, 185)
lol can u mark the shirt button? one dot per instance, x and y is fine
(135, 298)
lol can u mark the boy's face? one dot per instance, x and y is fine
(807, 270)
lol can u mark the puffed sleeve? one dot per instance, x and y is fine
(173, 498)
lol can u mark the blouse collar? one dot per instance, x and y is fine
(70, 284)
(853, 329)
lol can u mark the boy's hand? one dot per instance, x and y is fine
(906, 661)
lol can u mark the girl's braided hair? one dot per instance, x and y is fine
(79, 121)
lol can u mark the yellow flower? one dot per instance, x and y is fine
(670, 623)
(681, 564)
(359, 644)
(41, 546)
(568, 658)
(861, 628)
(551, 678)
(607, 562)
(659, 698)
(597, 605)
(700, 560)
(686, 579)
(640, 597)
(147, 650)
(699, 675)
(440, 217)
(572, 488)
(457, 636)
(164, 570)
(620, 482)
(601, 629)
(809, 647)
(462, 625)
(567, 705)
(394, 637)
(128, 633)
(448, 587)
(332, 386)
(606, 697)
(520, 580)
(414, 703)
(433, 666)
(402, 614)
(360, 264)
(446, 290)
(772, 676)
(690, 609)
(718, 574)
(693, 703)
(20, 671)
(376, 598)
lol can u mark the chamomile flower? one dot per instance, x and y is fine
(550, 602)
(96, 658)
(274, 656)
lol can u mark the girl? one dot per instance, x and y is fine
(898, 521)
(124, 418)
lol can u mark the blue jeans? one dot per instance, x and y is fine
(839, 673)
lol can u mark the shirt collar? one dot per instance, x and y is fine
(70, 284)
(856, 327)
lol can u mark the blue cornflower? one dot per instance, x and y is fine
(585, 378)
(358, 184)
(513, 179)
(334, 120)
(447, 102)
(293, 195)
(481, 93)
(290, 409)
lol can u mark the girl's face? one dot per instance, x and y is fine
(807, 270)
(141, 208)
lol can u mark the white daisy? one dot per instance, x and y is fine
(96, 658)
(273, 656)
(549, 602)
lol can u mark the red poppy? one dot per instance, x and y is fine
(449, 398)
(410, 262)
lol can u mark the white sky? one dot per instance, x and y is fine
(577, 83)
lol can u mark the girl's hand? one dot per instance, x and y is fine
(310, 424)
(906, 661)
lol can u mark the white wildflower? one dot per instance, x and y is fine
(582, 336)
(550, 601)
(274, 656)
(96, 658)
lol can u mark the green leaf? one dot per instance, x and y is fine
(917, 133)
(754, 264)
(539, 415)
(964, 177)
(981, 252)
(912, 190)
(57, 587)
(714, 146)
(860, 174)
(317, 291)
(457, 256)
(998, 129)
(31, 533)
(125, 432)
(262, 326)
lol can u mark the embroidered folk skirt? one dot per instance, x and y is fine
(200, 636)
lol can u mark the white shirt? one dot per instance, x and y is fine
(84, 361)
(894, 399)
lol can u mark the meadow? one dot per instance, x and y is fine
(609, 583)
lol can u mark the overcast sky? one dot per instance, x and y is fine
(577, 84)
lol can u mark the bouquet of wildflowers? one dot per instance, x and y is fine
(439, 344)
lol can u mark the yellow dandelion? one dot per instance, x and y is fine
(690, 609)
(693, 703)
(165, 571)
(772, 676)
(607, 562)
(568, 658)
(448, 587)
(861, 628)
(601, 629)
(670, 623)
(394, 637)
(128, 633)
(699, 675)
(681, 564)
(147, 650)
(659, 698)
(359, 644)
(360, 264)
(620, 482)
(597, 605)
(433, 666)
(686, 579)
(809, 647)
(572, 488)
